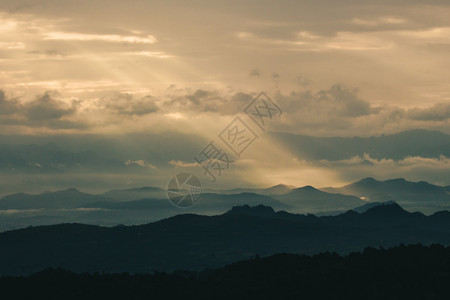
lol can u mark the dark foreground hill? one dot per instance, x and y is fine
(195, 242)
(404, 272)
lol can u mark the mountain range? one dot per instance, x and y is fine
(148, 204)
(191, 241)
(413, 195)
(305, 199)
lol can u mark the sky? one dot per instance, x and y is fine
(177, 73)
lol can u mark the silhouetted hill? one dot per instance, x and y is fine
(369, 205)
(229, 200)
(258, 211)
(404, 272)
(193, 242)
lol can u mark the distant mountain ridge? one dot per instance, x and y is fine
(412, 195)
(218, 202)
(399, 190)
(278, 189)
(315, 200)
(135, 193)
(69, 198)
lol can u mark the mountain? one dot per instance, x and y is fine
(370, 205)
(229, 200)
(70, 198)
(359, 209)
(258, 211)
(399, 190)
(208, 201)
(310, 199)
(141, 204)
(135, 194)
(195, 242)
(423, 143)
(278, 189)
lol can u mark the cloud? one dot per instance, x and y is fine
(45, 108)
(126, 104)
(198, 101)
(153, 54)
(438, 112)
(255, 73)
(302, 81)
(182, 164)
(49, 53)
(205, 101)
(43, 111)
(378, 21)
(410, 161)
(7, 107)
(337, 101)
(141, 163)
(345, 101)
(334, 111)
(75, 36)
